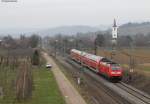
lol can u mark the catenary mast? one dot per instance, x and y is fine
(114, 38)
(114, 34)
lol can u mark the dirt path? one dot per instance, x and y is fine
(70, 93)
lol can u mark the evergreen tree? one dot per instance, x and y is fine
(36, 58)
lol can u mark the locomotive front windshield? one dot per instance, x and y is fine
(115, 67)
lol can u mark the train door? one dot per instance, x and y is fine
(100, 67)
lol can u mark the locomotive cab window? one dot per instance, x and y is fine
(115, 67)
(105, 60)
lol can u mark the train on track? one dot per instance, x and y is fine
(98, 64)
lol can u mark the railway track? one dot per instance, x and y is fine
(99, 93)
(133, 96)
(127, 93)
(135, 92)
(109, 93)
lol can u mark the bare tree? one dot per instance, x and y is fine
(24, 81)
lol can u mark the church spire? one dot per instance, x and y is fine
(114, 25)
(114, 30)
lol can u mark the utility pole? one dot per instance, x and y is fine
(64, 46)
(56, 47)
(65, 42)
(71, 42)
(95, 46)
(81, 70)
(132, 62)
(76, 43)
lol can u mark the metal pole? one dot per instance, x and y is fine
(95, 46)
(132, 62)
(55, 47)
(76, 44)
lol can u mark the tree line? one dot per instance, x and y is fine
(22, 42)
(100, 39)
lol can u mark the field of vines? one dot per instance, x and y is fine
(15, 75)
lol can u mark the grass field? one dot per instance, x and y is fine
(145, 68)
(141, 55)
(46, 90)
(7, 76)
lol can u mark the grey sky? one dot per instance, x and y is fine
(52, 13)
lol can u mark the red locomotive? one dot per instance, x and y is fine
(98, 64)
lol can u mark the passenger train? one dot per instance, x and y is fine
(98, 64)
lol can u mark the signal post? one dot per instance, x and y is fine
(114, 38)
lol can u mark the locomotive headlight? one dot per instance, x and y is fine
(113, 72)
(118, 72)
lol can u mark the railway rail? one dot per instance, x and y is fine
(99, 93)
(127, 92)
(135, 92)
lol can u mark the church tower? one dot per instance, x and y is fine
(114, 30)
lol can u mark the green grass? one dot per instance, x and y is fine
(146, 68)
(46, 90)
(7, 77)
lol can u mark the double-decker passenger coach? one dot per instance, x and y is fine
(98, 64)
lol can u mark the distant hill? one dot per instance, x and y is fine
(125, 29)
(68, 30)
(65, 30)
(134, 28)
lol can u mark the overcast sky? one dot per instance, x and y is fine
(52, 13)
